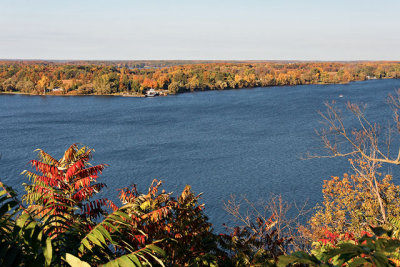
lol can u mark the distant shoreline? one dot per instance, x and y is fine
(136, 79)
(50, 94)
(186, 92)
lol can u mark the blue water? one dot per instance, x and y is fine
(242, 142)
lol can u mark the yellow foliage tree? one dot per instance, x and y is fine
(351, 205)
(43, 83)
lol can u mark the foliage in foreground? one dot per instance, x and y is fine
(380, 249)
(350, 204)
(61, 222)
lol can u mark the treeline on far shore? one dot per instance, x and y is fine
(135, 78)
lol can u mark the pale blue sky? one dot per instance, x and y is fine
(185, 29)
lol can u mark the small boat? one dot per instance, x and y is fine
(340, 95)
(151, 93)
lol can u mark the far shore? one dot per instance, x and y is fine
(143, 95)
(53, 94)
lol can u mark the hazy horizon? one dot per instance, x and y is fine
(268, 30)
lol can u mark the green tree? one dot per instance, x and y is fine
(102, 85)
(25, 86)
(174, 88)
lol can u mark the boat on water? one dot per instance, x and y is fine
(151, 93)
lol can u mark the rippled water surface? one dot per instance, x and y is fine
(221, 142)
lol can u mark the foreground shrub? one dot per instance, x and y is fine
(351, 204)
(180, 222)
(380, 249)
(262, 231)
(60, 221)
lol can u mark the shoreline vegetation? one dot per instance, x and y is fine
(135, 78)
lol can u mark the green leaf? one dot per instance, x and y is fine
(357, 262)
(157, 250)
(134, 259)
(48, 252)
(99, 235)
(105, 233)
(298, 257)
(74, 261)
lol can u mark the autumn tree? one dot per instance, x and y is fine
(193, 83)
(365, 197)
(25, 86)
(351, 205)
(173, 87)
(149, 83)
(9, 84)
(102, 85)
(43, 83)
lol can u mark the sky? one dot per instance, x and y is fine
(202, 29)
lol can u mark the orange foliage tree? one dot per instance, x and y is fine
(350, 204)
